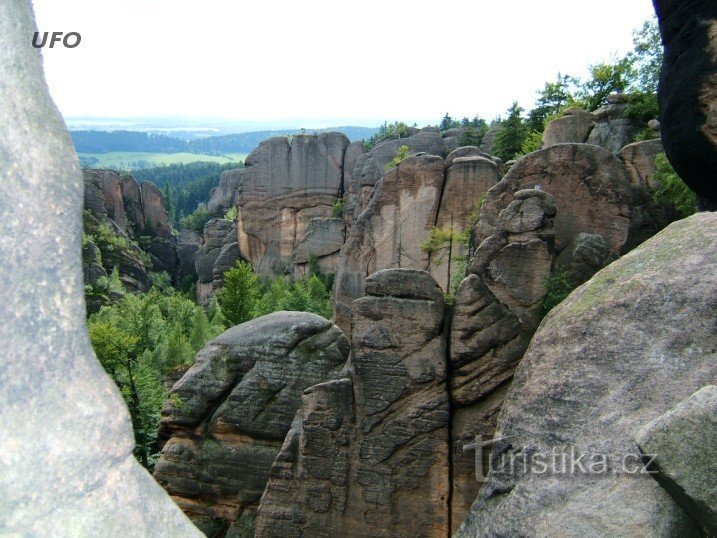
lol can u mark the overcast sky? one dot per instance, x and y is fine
(324, 59)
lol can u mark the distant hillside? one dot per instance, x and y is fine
(135, 141)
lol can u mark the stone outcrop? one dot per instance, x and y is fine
(224, 197)
(187, 247)
(688, 92)
(682, 448)
(407, 203)
(583, 257)
(639, 157)
(591, 187)
(156, 221)
(371, 166)
(497, 310)
(368, 455)
(67, 463)
(574, 126)
(227, 417)
(613, 129)
(619, 352)
(287, 183)
(217, 253)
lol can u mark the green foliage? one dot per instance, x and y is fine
(472, 136)
(642, 106)
(240, 294)
(401, 154)
(551, 100)
(646, 56)
(196, 220)
(511, 135)
(231, 213)
(169, 195)
(115, 247)
(673, 191)
(558, 287)
(448, 123)
(533, 142)
(105, 285)
(605, 79)
(387, 131)
(337, 211)
(138, 340)
(439, 239)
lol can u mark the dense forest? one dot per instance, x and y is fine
(110, 141)
(184, 186)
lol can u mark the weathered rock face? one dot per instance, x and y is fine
(688, 92)
(591, 188)
(403, 208)
(585, 256)
(619, 352)
(132, 202)
(574, 126)
(371, 166)
(324, 239)
(613, 130)
(639, 158)
(218, 253)
(368, 455)
(224, 196)
(187, 248)
(113, 198)
(683, 442)
(80, 475)
(467, 180)
(286, 184)
(155, 214)
(228, 415)
(496, 313)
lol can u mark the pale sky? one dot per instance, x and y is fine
(364, 61)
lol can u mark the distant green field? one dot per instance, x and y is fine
(123, 160)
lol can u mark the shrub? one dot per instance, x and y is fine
(401, 154)
(337, 211)
(673, 191)
(558, 287)
(196, 220)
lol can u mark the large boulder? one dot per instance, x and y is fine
(218, 252)
(613, 129)
(681, 447)
(287, 183)
(67, 462)
(591, 187)
(619, 352)
(132, 201)
(367, 455)
(573, 126)
(227, 417)
(688, 92)
(639, 157)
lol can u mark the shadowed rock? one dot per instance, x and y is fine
(67, 463)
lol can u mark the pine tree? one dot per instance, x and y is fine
(512, 134)
(239, 296)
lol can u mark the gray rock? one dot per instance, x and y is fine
(619, 352)
(224, 196)
(242, 392)
(132, 202)
(613, 130)
(156, 220)
(67, 463)
(585, 256)
(187, 247)
(573, 126)
(368, 455)
(683, 442)
(639, 158)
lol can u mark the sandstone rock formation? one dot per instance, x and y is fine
(224, 196)
(286, 183)
(228, 415)
(368, 455)
(583, 257)
(156, 221)
(613, 129)
(496, 313)
(217, 253)
(683, 443)
(591, 187)
(410, 200)
(688, 92)
(67, 463)
(574, 126)
(639, 157)
(619, 352)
